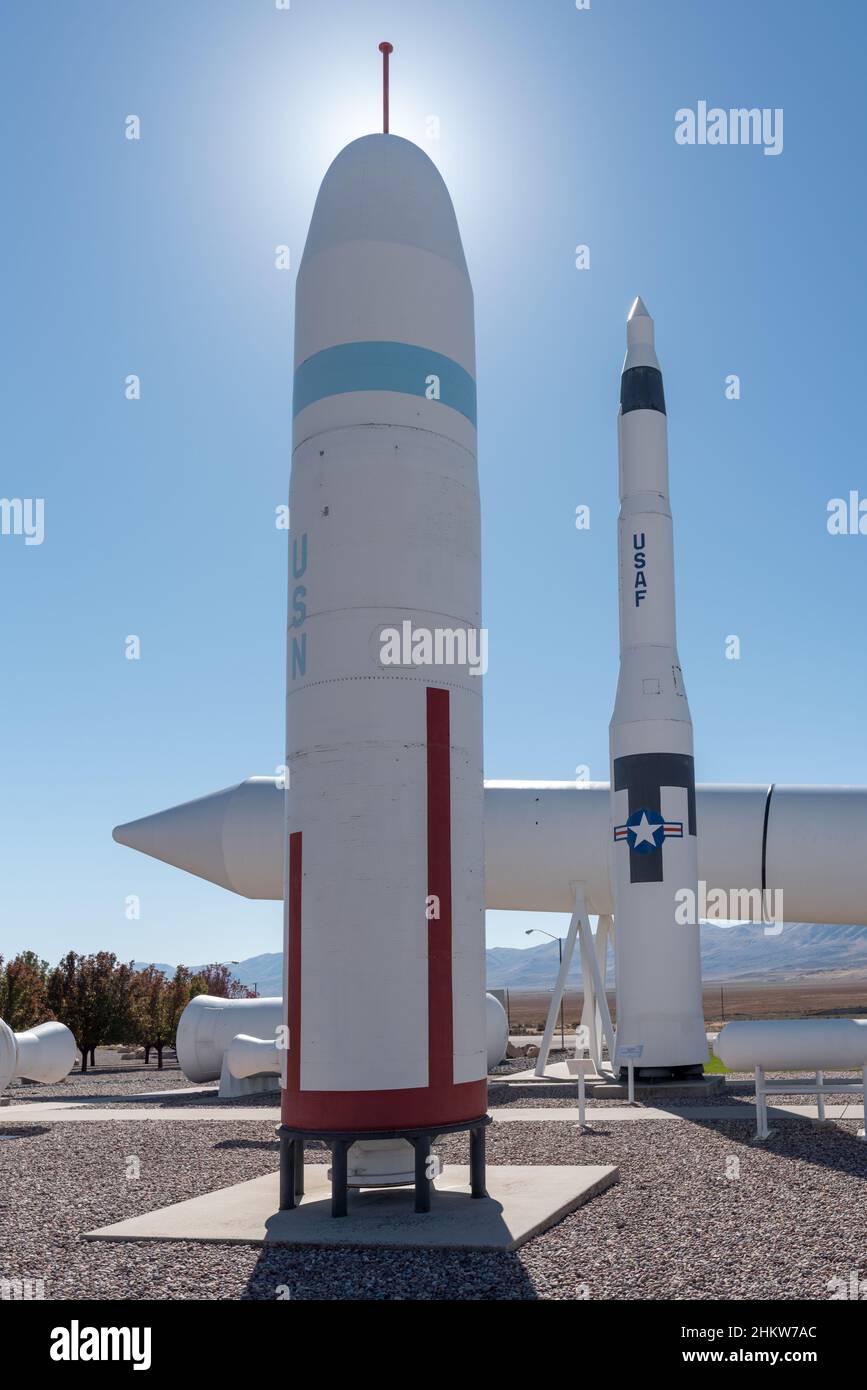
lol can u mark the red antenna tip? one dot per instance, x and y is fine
(385, 49)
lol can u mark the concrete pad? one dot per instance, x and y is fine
(555, 1071)
(563, 1114)
(103, 1114)
(608, 1087)
(521, 1202)
(76, 1099)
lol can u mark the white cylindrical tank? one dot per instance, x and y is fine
(809, 1044)
(248, 1056)
(208, 1025)
(45, 1053)
(497, 1028)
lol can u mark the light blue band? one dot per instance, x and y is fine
(384, 367)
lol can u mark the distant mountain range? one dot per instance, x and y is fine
(262, 973)
(727, 953)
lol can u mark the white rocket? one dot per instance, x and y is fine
(761, 846)
(384, 892)
(653, 844)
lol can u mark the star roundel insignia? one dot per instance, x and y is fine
(645, 831)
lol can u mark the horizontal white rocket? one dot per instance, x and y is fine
(804, 844)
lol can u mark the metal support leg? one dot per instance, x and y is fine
(339, 1187)
(862, 1133)
(287, 1173)
(421, 1144)
(560, 987)
(762, 1131)
(820, 1081)
(299, 1168)
(477, 1162)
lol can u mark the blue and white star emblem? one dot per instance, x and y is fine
(645, 831)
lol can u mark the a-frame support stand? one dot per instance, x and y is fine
(594, 956)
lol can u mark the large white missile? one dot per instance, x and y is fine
(803, 845)
(384, 890)
(654, 845)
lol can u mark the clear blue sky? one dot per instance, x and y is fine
(156, 257)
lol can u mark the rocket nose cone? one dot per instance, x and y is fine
(639, 337)
(189, 837)
(383, 188)
(383, 279)
(121, 835)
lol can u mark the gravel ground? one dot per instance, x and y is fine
(101, 1084)
(514, 1064)
(101, 1081)
(566, 1097)
(699, 1213)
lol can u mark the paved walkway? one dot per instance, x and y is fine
(68, 1111)
(52, 1114)
(618, 1113)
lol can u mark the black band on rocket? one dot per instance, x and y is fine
(641, 389)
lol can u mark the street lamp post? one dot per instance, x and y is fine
(529, 932)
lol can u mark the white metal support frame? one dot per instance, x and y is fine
(596, 1014)
(819, 1088)
(594, 991)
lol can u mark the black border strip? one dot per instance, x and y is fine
(765, 843)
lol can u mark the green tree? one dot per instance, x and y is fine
(92, 996)
(218, 980)
(23, 991)
(157, 1007)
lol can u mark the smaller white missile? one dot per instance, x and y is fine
(653, 844)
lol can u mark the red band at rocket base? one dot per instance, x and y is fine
(441, 1101)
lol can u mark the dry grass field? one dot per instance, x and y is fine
(820, 996)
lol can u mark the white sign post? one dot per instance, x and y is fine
(631, 1055)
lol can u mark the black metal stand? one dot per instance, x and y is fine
(291, 1171)
(292, 1161)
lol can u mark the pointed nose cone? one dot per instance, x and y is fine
(386, 190)
(189, 837)
(233, 837)
(640, 350)
(383, 299)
